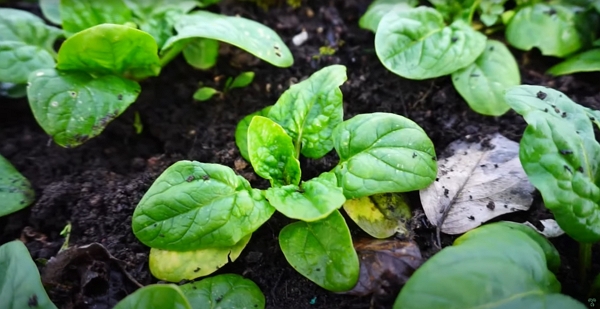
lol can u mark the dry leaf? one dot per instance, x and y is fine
(550, 228)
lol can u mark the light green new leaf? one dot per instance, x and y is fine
(382, 153)
(483, 83)
(311, 201)
(20, 280)
(73, 107)
(559, 156)
(322, 251)
(78, 15)
(15, 190)
(241, 131)
(205, 93)
(155, 296)
(26, 45)
(556, 29)
(490, 11)
(242, 80)
(272, 153)
(224, 291)
(111, 49)
(479, 272)
(310, 110)
(195, 205)
(200, 53)
(417, 44)
(175, 266)
(246, 34)
(588, 61)
(378, 8)
(51, 10)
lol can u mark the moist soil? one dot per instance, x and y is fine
(96, 186)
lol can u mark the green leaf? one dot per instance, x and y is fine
(175, 266)
(490, 11)
(13, 91)
(195, 205)
(310, 110)
(381, 153)
(20, 280)
(588, 61)
(322, 251)
(246, 34)
(416, 44)
(241, 131)
(51, 10)
(556, 29)
(311, 201)
(453, 10)
(478, 272)
(272, 153)
(200, 53)
(241, 81)
(78, 15)
(15, 190)
(483, 83)
(73, 107)
(224, 291)
(26, 44)
(205, 93)
(378, 8)
(559, 156)
(111, 49)
(380, 215)
(155, 296)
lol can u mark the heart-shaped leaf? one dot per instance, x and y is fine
(224, 291)
(241, 131)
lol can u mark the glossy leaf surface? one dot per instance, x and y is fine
(224, 291)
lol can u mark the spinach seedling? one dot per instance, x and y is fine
(191, 210)
(240, 81)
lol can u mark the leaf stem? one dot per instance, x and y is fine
(585, 262)
(472, 12)
(171, 54)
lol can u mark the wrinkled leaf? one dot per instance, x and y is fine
(490, 11)
(380, 215)
(51, 10)
(155, 296)
(310, 110)
(272, 153)
(241, 131)
(246, 34)
(588, 61)
(110, 49)
(175, 266)
(311, 201)
(26, 45)
(15, 190)
(241, 81)
(73, 107)
(78, 15)
(453, 10)
(224, 291)
(483, 83)
(479, 181)
(322, 252)
(417, 44)
(205, 93)
(381, 153)
(385, 266)
(201, 53)
(195, 205)
(378, 8)
(20, 282)
(479, 272)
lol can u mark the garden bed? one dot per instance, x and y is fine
(97, 185)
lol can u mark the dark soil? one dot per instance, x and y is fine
(96, 186)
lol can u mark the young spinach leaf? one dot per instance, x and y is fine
(78, 15)
(490, 11)
(74, 106)
(588, 61)
(20, 284)
(195, 205)
(205, 93)
(272, 153)
(483, 83)
(242, 80)
(155, 296)
(378, 8)
(310, 110)
(322, 251)
(224, 291)
(381, 153)
(246, 34)
(15, 190)
(241, 131)
(311, 201)
(26, 44)
(200, 53)
(417, 44)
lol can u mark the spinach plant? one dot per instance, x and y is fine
(427, 42)
(479, 272)
(15, 190)
(240, 81)
(75, 92)
(196, 212)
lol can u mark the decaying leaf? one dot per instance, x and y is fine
(385, 266)
(549, 228)
(477, 182)
(380, 215)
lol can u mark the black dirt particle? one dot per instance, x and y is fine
(505, 206)
(277, 54)
(541, 95)
(470, 197)
(33, 301)
(120, 97)
(565, 152)
(190, 178)
(454, 39)
(546, 109)
(556, 110)
(205, 177)
(414, 155)
(491, 48)
(580, 169)
(491, 205)
(564, 115)
(197, 269)
(446, 191)
(495, 165)
(219, 299)
(471, 218)
(567, 169)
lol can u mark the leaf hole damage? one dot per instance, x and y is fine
(190, 178)
(541, 95)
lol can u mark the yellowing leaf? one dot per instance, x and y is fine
(380, 215)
